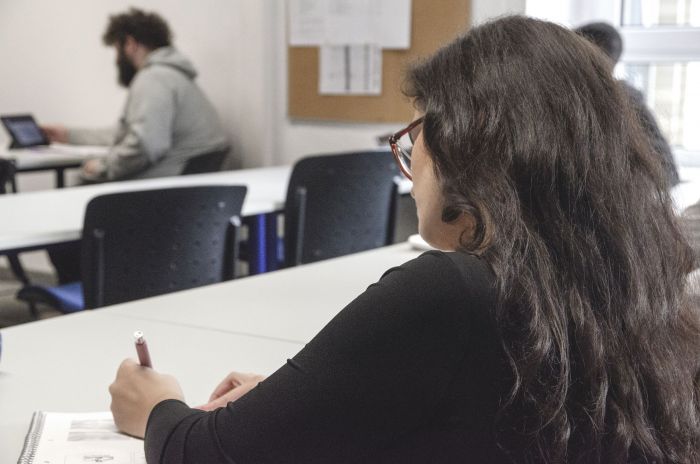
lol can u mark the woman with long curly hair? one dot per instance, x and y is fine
(554, 328)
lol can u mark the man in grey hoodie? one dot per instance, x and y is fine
(166, 120)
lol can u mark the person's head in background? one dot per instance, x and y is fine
(134, 35)
(529, 136)
(605, 37)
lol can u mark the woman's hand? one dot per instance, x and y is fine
(135, 392)
(230, 389)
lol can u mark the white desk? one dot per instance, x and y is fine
(57, 157)
(292, 304)
(66, 364)
(685, 194)
(37, 219)
(30, 159)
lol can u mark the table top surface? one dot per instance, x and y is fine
(54, 216)
(65, 364)
(292, 304)
(52, 156)
(35, 219)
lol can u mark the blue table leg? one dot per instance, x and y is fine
(262, 243)
(272, 242)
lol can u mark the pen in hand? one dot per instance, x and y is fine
(142, 349)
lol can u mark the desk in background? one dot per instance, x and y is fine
(37, 219)
(55, 158)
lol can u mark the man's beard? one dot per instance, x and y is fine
(126, 69)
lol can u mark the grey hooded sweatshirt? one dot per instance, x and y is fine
(167, 119)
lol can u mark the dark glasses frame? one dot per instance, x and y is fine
(396, 148)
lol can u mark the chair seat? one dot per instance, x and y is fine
(66, 298)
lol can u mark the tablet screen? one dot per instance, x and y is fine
(24, 131)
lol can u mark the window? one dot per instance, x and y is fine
(672, 92)
(661, 57)
(649, 13)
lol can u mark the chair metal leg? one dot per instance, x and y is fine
(33, 311)
(17, 269)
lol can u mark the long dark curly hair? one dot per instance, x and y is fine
(531, 136)
(147, 28)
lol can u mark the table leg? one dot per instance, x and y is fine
(17, 268)
(262, 243)
(60, 177)
(272, 243)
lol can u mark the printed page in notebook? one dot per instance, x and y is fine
(72, 438)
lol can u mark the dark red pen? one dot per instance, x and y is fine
(142, 349)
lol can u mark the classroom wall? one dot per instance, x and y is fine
(55, 66)
(298, 138)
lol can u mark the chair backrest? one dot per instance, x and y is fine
(339, 204)
(207, 162)
(146, 243)
(7, 175)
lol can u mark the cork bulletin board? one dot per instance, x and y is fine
(433, 23)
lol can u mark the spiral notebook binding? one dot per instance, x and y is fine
(31, 442)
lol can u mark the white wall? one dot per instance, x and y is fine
(55, 66)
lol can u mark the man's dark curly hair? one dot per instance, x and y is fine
(148, 29)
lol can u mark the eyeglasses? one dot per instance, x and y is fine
(402, 144)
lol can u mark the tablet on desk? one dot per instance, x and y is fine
(24, 130)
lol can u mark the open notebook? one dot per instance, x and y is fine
(72, 438)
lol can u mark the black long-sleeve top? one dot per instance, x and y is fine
(407, 372)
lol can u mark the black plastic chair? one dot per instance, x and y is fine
(8, 185)
(141, 244)
(339, 204)
(206, 162)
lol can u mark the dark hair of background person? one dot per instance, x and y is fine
(148, 29)
(605, 36)
(531, 135)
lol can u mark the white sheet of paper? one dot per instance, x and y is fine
(350, 70)
(307, 22)
(347, 22)
(79, 438)
(391, 23)
(386, 23)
